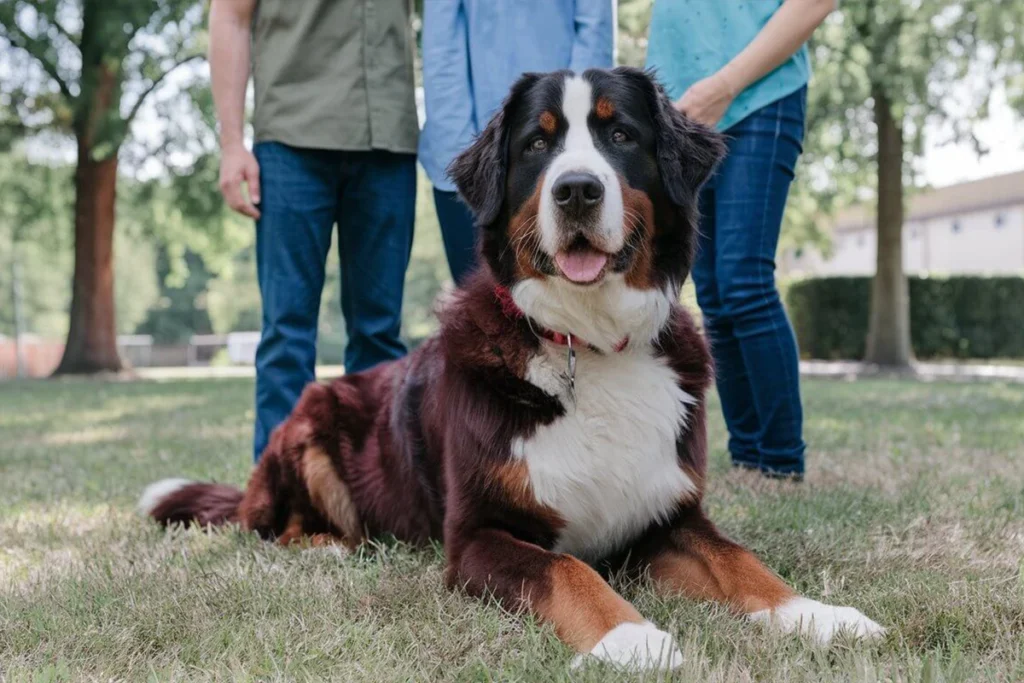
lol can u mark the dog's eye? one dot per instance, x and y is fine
(538, 144)
(619, 136)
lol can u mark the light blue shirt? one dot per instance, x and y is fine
(692, 39)
(474, 50)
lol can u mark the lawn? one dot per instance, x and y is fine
(913, 511)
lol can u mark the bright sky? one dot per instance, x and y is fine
(1004, 137)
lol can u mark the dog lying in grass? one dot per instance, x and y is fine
(557, 422)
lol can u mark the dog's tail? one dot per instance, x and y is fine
(181, 501)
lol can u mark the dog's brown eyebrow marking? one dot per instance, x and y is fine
(548, 123)
(604, 108)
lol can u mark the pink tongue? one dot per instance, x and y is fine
(583, 265)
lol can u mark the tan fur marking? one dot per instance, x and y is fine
(732, 576)
(604, 108)
(548, 123)
(325, 540)
(639, 228)
(512, 480)
(292, 532)
(330, 495)
(581, 606)
(524, 234)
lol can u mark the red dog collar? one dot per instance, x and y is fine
(511, 310)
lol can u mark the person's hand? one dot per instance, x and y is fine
(706, 100)
(238, 166)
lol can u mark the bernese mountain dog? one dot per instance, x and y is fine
(556, 424)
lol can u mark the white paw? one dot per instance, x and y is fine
(819, 621)
(635, 646)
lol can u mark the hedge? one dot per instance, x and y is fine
(955, 317)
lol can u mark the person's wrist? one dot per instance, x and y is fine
(231, 143)
(728, 82)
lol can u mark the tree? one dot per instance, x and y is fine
(36, 234)
(886, 70)
(86, 68)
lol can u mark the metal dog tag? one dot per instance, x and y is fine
(571, 368)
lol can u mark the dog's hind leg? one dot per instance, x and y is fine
(330, 496)
(694, 559)
(297, 491)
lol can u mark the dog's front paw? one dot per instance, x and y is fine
(819, 621)
(635, 646)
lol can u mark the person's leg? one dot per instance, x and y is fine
(293, 235)
(730, 372)
(376, 210)
(459, 233)
(752, 187)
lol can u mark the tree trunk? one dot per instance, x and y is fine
(888, 340)
(92, 336)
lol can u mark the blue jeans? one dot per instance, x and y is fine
(756, 358)
(458, 232)
(371, 196)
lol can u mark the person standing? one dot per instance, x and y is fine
(335, 133)
(473, 51)
(743, 67)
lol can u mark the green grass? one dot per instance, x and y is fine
(913, 511)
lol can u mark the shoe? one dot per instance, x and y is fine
(769, 473)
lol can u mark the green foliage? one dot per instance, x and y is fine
(634, 19)
(181, 309)
(87, 66)
(35, 231)
(136, 286)
(35, 207)
(956, 317)
(428, 270)
(233, 296)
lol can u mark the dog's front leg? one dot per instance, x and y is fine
(694, 559)
(586, 613)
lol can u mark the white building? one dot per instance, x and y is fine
(974, 228)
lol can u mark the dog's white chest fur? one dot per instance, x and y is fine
(609, 466)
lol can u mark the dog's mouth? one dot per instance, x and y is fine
(581, 262)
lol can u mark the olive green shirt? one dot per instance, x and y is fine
(334, 74)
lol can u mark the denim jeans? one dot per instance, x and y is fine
(756, 358)
(371, 197)
(458, 232)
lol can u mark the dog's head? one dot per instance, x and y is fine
(587, 183)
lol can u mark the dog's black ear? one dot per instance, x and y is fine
(479, 171)
(688, 152)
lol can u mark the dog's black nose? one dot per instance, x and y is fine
(577, 191)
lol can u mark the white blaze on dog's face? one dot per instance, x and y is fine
(581, 217)
(585, 191)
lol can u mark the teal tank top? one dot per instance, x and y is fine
(692, 39)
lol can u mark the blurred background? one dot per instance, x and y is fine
(108, 101)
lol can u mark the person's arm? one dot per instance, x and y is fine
(593, 46)
(447, 93)
(230, 27)
(789, 28)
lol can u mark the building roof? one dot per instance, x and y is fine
(976, 195)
